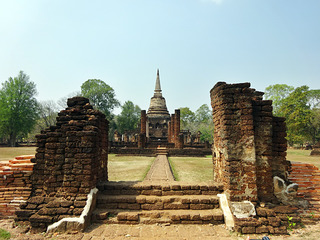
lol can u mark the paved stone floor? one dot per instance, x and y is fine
(160, 170)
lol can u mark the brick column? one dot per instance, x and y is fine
(177, 128)
(172, 128)
(143, 121)
(169, 132)
(143, 130)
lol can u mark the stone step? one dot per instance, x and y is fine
(213, 216)
(137, 202)
(159, 189)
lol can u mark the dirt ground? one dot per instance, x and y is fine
(159, 231)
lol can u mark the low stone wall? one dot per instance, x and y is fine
(15, 184)
(196, 152)
(273, 220)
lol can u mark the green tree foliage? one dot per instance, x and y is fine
(203, 114)
(129, 117)
(201, 121)
(101, 95)
(186, 117)
(277, 93)
(300, 107)
(18, 107)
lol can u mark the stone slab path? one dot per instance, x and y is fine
(160, 170)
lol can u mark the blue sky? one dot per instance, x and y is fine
(194, 43)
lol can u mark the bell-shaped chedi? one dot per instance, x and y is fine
(158, 105)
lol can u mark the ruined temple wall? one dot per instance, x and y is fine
(71, 159)
(234, 146)
(249, 142)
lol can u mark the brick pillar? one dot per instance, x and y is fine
(142, 140)
(177, 128)
(143, 130)
(172, 128)
(169, 132)
(234, 147)
(143, 121)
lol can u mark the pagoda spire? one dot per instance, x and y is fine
(158, 86)
(157, 89)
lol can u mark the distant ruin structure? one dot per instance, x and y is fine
(159, 128)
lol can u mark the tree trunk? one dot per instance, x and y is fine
(12, 140)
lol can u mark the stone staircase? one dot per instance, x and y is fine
(150, 203)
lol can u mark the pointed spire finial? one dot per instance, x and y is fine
(158, 87)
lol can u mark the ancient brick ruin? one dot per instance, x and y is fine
(71, 159)
(249, 143)
(159, 128)
(70, 175)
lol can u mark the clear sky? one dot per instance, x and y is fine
(195, 43)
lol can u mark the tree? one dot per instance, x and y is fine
(199, 121)
(277, 93)
(101, 95)
(48, 114)
(302, 115)
(18, 107)
(203, 113)
(129, 117)
(186, 117)
(62, 102)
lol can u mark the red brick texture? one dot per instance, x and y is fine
(15, 184)
(249, 144)
(71, 159)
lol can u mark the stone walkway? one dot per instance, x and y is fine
(160, 170)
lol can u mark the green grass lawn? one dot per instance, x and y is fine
(128, 168)
(8, 153)
(297, 155)
(192, 169)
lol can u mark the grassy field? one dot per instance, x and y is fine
(185, 168)
(128, 168)
(192, 169)
(7, 153)
(297, 155)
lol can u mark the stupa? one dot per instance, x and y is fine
(158, 116)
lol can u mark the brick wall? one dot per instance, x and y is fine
(249, 143)
(71, 159)
(15, 184)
